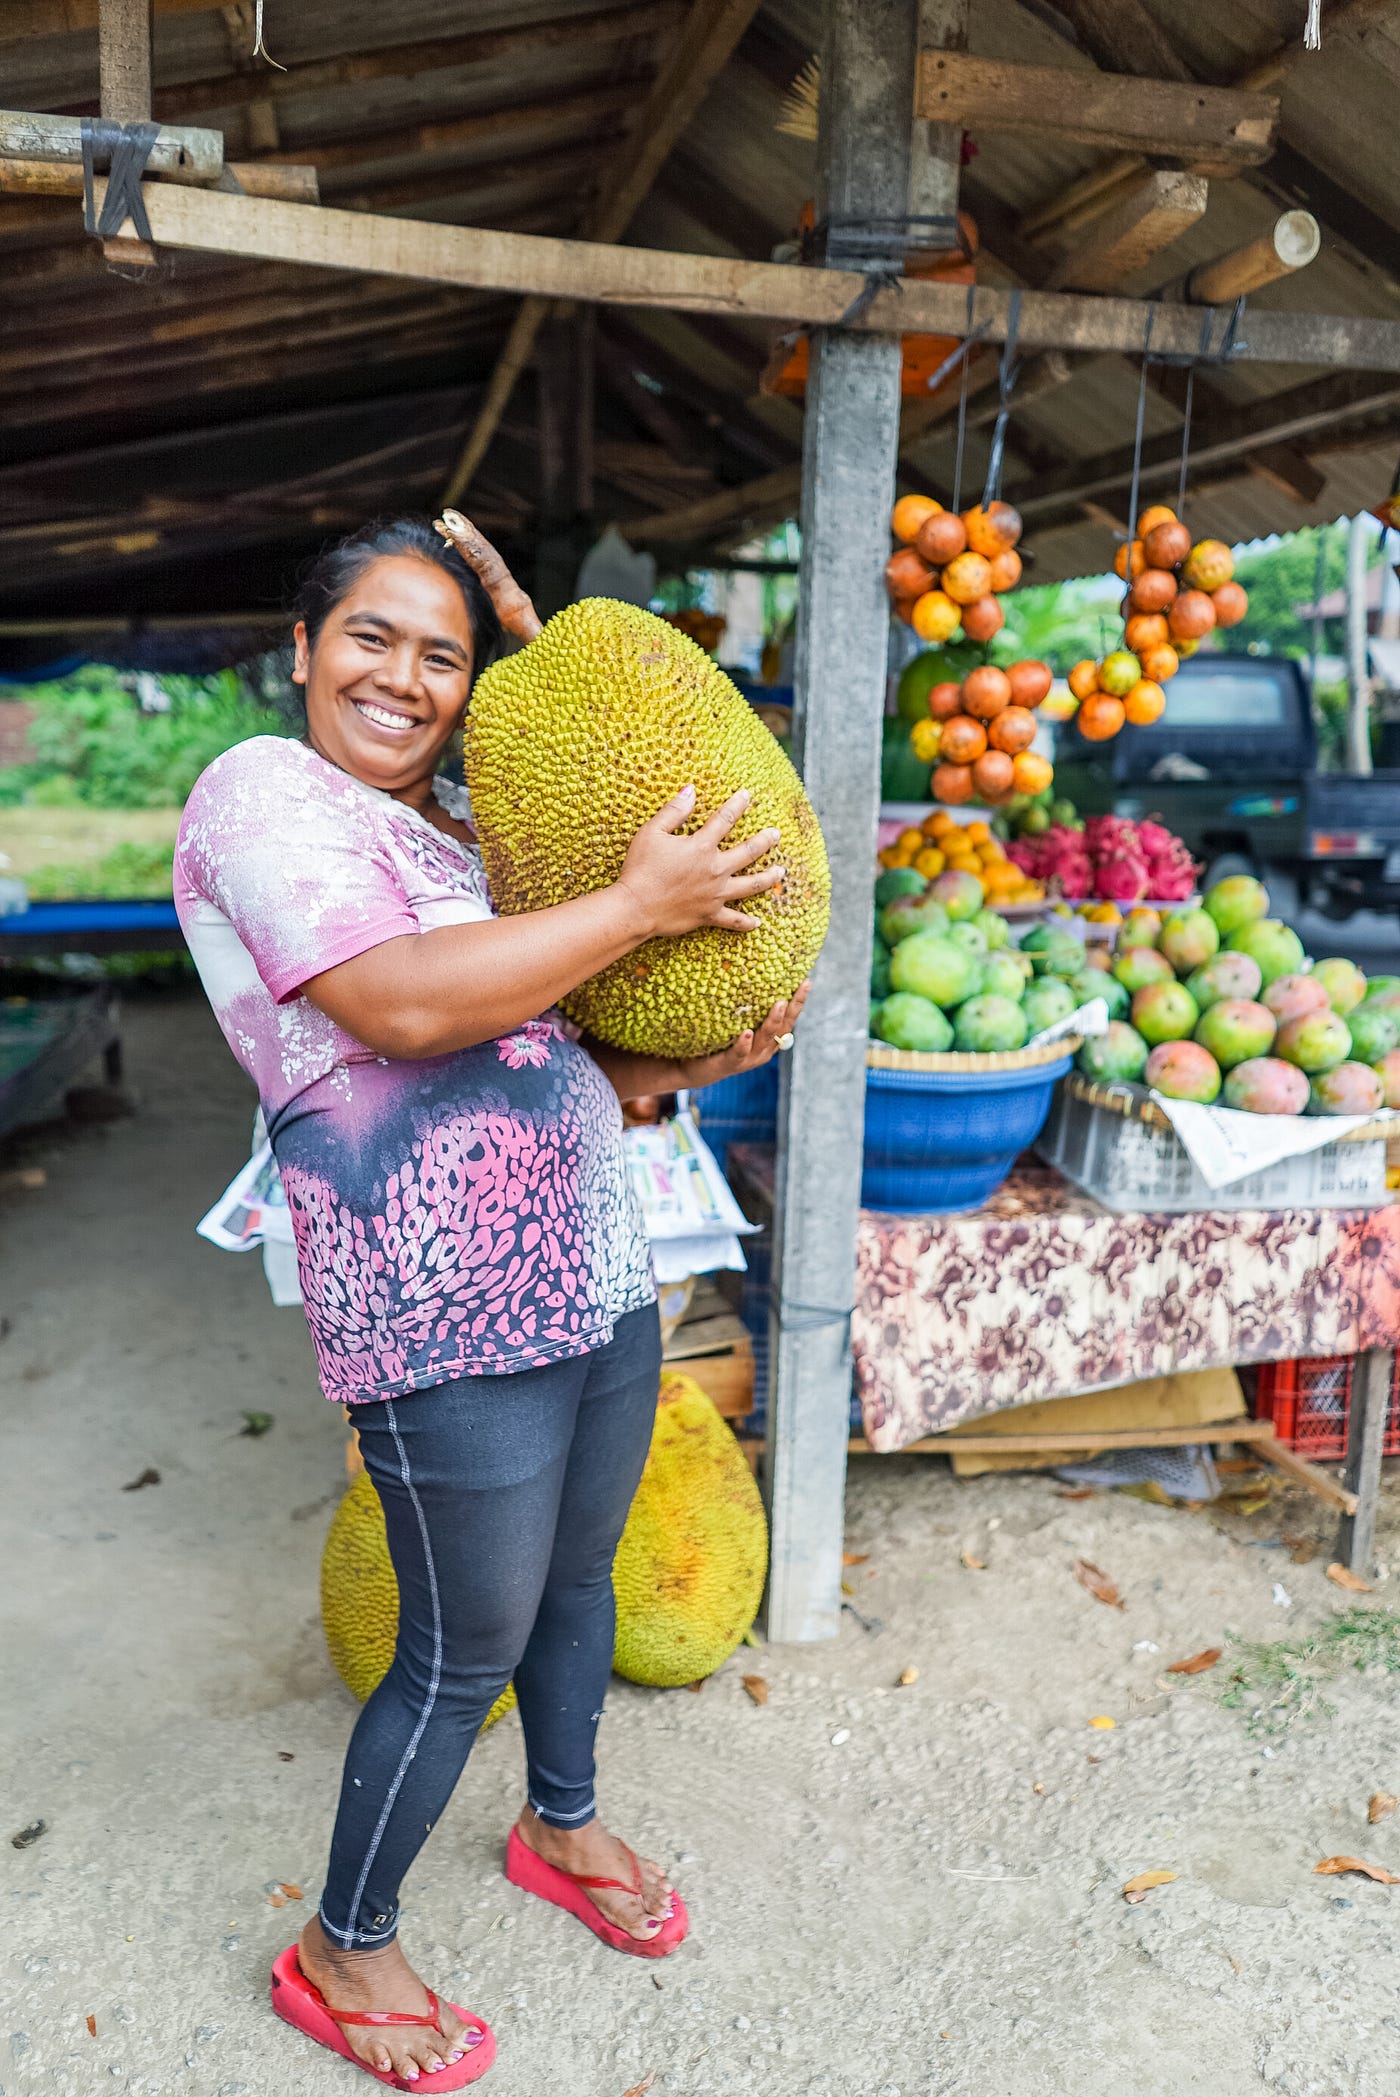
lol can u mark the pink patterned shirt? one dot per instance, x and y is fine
(461, 1215)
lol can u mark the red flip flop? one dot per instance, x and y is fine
(298, 2003)
(533, 1875)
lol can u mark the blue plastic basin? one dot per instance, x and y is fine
(940, 1141)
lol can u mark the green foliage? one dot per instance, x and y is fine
(93, 746)
(127, 873)
(1279, 1683)
(1056, 623)
(1283, 577)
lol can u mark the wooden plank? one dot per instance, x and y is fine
(62, 178)
(1109, 29)
(1312, 1476)
(609, 275)
(183, 152)
(1290, 244)
(1366, 1422)
(459, 135)
(1081, 106)
(697, 1336)
(726, 1378)
(711, 30)
(1149, 217)
(1289, 470)
(756, 502)
(851, 441)
(22, 19)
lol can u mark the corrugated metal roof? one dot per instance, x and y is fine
(97, 406)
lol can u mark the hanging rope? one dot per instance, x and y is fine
(962, 412)
(1137, 440)
(121, 152)
(260, 49)
(1312, 28)
(1008, 372)
(1185, 440)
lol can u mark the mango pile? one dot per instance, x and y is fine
(1222, 1003)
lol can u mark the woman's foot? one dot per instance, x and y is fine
(596, 1854)
(382, 1979)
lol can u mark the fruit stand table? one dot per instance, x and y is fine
(1042, 1293)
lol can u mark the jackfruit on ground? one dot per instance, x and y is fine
(689, 1571)
(576, 741)
(360, 1596)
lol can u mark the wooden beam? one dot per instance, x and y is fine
(553, 268)
(1289, 470)
(248, 178)
(1366, 1423)
(1081, 106)
(1290, 244)
(647, 20)
(22, 19)
(1108, 29)
(1150, 216)
(182, 152)
(769, 498)
(707, 39)
(459, 135)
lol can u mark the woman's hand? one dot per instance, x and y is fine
(677, 884)
(753, 1048)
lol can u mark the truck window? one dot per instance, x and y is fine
(1218, 700)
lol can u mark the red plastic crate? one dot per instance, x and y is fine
(1309, 1401)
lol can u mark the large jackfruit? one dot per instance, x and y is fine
(689, 1571)
(575, 742)
(360, 1596)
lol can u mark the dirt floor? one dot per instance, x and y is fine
(896, 1890)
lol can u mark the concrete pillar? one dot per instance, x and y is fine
(849, 451)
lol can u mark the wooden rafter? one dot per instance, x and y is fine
(711, 30)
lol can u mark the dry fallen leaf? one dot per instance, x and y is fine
(1345, 1577)
(696, 1687)
(91, 2023)
(639, 2089)
(287, 1890)
(275, 1900)
(974, 1565)
(846, 1588)
(1138, 1888)
(1103, 1725)
(1198, 1663)
(150, 1476)
(1098, 1583)
(1330, 1867)
(1383, 1804)
(1077, 1492)
(757, 1688)
(855, 1558)
(909, 1678)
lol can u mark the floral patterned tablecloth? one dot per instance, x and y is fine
(1043, 1293)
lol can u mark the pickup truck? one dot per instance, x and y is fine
(1231, 767)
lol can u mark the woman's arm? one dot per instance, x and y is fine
(428, 993)
(639, 1077)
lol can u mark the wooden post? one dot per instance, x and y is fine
(1358, 667)
(1370, 1403)
(850, 446)
(1290, 244)
(124, 54)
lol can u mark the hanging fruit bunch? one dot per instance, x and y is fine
(1176, 594)
(978, 735)
(949, 570)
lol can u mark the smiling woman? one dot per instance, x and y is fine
(471, 1258)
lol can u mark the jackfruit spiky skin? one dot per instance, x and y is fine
(360, 1596)
(580, 738)
(689, 1571)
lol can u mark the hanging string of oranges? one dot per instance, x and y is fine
(949, 569)
(1177, 594)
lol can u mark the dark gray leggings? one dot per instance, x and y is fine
(504, 1498)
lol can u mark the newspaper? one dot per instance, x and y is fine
(1226, 1145)
(691, 1217)
(252, 1210)
(1088, 1020)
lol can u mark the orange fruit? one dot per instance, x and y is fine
(910, 840)
(953, 783)
(1157, 514)
(1030, 681)
(909, 513)
(930, 862)
(993, 530)
(1153, 590)
(983, 618)
(1006, 571)
(1209, 564)
(1231, 601)
(1012, 730)
(941, 538)
(1143, 704)
(1100, 717)
(936, 617)
(977, 833)
(1159, 663)
(1144, 630)
(945, 700)
(1166, 545)
(906, 575)
(993, 775)
(903, 608)
(1119, 672)
(967, 578)
(1130, 550)
(964, 740)
(940, 822)
(1031, 773)
(926, 740)
(1192, 614)
(985, 692)
(1084, 678)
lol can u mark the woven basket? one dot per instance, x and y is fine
(950, 1062)
(1135, 1103)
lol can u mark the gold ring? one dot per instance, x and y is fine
(785, 1041)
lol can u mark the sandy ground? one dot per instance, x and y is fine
(895, 1890)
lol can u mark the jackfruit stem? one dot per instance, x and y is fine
(513, 608)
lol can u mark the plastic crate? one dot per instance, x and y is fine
(1309, 1402)
(1112, 1142)
(742, 1109)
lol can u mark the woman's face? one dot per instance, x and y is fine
(388, 680)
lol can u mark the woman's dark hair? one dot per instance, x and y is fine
(332, 575)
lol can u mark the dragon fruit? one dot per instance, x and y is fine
(1122, 878)
(1113, 858)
